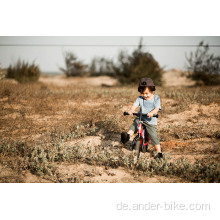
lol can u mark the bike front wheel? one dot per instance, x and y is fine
(137, 149)
(145, 148)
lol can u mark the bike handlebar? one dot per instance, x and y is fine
(138, 114)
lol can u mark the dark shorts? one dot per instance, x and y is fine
(151, 129)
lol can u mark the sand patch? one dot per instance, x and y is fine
(176, 77)
(88, 173)
(169, 145)
(62, 81)
(7, 175)
(11, 116)
(4, 99)
(195, 113)
(89, 141)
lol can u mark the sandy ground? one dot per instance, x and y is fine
(91, 173)
(61, 80)
(176, 77)
(173, 77)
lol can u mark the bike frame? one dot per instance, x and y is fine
(141, 134)
(141, 130)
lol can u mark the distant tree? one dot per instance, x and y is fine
(204, 67)
(74, 67)
(131, 68)
(101, 66)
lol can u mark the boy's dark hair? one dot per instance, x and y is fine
(144, 83)
(142, 88)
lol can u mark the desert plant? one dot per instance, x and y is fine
(74, 67)
(204, 67)
(101, 66)
(140, 64)
(40, 161)
(1, 73)
(23, 72)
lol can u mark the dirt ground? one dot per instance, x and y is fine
(176, 77)
(38, 114)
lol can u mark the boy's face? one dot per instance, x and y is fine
(146, 93)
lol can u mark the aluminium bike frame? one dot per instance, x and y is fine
(142, 133)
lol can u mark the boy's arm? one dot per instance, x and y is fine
(151, 113)
(132, 110)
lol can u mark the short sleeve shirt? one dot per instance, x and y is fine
(147, 106)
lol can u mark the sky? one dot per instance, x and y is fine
(51, 58)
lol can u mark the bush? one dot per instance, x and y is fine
(204, 68)
(140, 64)
(101, 66)
(73, 66)
(2, 76)
(129, 69)
(23, 72)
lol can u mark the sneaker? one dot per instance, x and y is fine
(125, 137)
(159, 155)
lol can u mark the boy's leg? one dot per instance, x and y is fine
(158, 148)
(159, 153)
(125, 136)
(133, 129)
(152, 131)
(131, 132)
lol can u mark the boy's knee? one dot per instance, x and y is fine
(131, 132)
(155, 142)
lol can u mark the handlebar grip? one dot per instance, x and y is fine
(155, 115)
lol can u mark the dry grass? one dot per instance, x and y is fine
(43, 126)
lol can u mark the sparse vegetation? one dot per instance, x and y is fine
(44, 127)
(39, 161)
(102, 66)
(2, 75)
(184, 96)
(129, 69)
(74, 67)
(203, 67)
(23, 72)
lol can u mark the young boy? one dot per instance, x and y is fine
(149, 104)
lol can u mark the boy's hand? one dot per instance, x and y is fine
(150, 114)
(130, 112)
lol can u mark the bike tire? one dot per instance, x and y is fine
(138, 148)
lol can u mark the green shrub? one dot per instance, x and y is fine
(129, 69)
(204, 68)
(24, 72)
(132, 68)
(101, 66)
(74, 67)
(21, 156)
(1, 73)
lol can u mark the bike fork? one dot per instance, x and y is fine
(139, 130)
